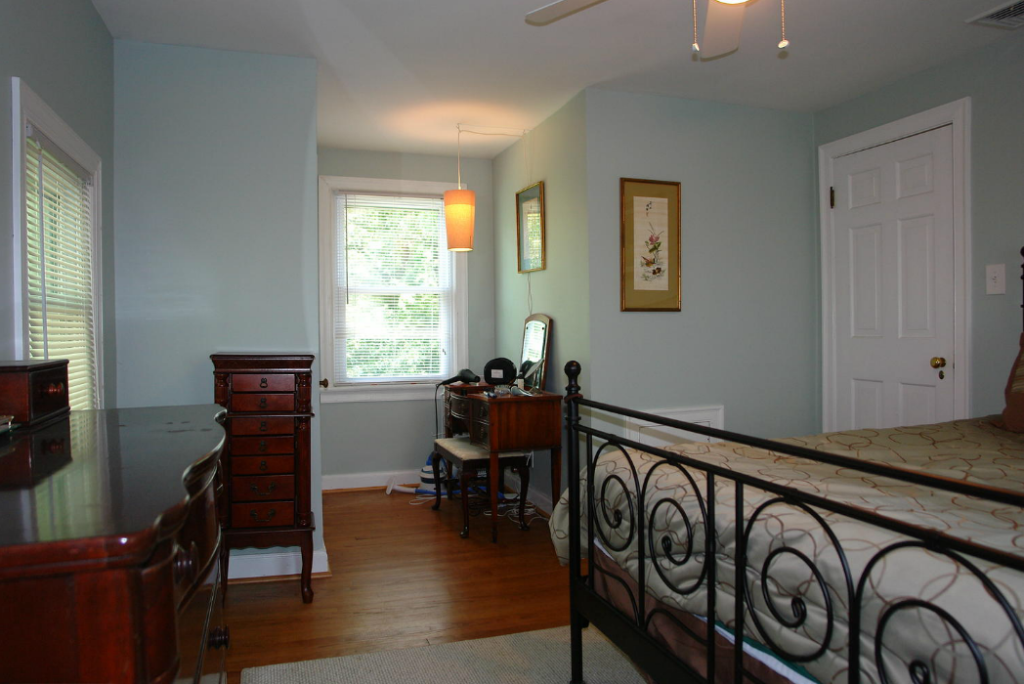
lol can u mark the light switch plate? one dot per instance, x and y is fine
(995, 279)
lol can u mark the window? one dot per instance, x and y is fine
(392, 309)
(58, 268)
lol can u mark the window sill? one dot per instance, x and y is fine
(349, 394)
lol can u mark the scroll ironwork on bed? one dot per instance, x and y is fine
(628, 508)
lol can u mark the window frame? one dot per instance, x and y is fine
(27, 108)
(380, 391)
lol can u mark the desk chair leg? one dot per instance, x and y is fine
(464, 491)
(436, 461)
(524, 479)
(494, 475)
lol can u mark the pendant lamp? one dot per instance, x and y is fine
(460, 211)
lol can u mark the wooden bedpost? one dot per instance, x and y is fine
(572, 418)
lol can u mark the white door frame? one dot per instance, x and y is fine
(958, 114)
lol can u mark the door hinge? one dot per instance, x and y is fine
(832, 197)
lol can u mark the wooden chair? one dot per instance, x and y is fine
(458, 451)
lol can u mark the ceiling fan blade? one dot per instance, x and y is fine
(721, 29)
(559, 9)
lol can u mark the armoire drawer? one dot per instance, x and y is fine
(263, 403)
(263, 514)
(262, 465)
(269, 382)
(255, 446)
(262, 426)
(263, 488)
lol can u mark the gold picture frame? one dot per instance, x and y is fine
(651, 277)
(531, 242)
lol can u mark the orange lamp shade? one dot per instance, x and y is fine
(459, 215)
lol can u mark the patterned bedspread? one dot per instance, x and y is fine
(797, 570)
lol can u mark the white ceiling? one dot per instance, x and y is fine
(397, 75)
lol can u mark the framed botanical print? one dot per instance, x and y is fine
(650, 277)
(531, 250)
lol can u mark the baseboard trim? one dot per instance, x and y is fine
(368, 480)
(281, 563)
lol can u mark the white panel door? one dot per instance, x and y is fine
(892, 260)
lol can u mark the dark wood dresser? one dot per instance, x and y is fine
(266, 457)
(109, 548)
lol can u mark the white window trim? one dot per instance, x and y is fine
(28, 107)
(392, 391)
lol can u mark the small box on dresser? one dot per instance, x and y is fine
(266, 456)
(34, 391)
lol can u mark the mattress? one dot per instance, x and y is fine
(796, 574)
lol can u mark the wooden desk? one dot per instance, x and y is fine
(507, 423)
(108, 535)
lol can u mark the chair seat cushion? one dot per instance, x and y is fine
(461, 449)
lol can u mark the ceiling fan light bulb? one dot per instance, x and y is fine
(783, 44)
(696, 48)
(733, 2)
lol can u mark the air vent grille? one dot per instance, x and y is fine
(1008, 16)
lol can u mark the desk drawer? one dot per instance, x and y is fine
(263, 488)
(458, 406)
(254, 446)
(480, 433)
(263, 402)
(262, 426)
(263, 514)
(279, 382)
(262, 465)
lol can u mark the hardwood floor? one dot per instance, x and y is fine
(402, 577)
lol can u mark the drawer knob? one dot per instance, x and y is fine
(256, 516)
(185, 564)
(256, 490)
(263, 465)
(220, 637)
(263, 446)
(263, 383)
(263, 402)
(263, 426)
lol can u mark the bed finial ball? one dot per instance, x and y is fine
(572, 370)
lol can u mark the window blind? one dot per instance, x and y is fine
(393, 303)
(60, 266)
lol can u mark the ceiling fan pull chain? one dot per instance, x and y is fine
(696, 45)
(783, 44)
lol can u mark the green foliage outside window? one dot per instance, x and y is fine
(398, 280)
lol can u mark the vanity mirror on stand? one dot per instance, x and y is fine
(533, 366)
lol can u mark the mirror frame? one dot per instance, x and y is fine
(541, 377)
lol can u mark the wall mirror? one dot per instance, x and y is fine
(536, 345)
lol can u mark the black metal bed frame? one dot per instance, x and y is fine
(630, 633)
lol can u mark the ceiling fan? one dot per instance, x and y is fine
(721, 27)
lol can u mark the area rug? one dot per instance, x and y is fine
(540, 657)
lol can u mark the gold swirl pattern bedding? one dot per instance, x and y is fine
(917, 605)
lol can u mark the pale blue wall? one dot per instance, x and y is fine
(63, 52)
(993, 77)
(216, 235)
(554, 152)
(747, 335)
(361, 437)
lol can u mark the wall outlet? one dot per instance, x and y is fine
(995, 279)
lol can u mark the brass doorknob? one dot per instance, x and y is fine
(938, 362)
(324, 383)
